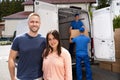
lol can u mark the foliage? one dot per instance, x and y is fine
(116, 22)
(90, 12)
(8, 7)
(5, 42)
(103, 3)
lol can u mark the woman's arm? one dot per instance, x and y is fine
(68, 66)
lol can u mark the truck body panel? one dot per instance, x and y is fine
(103, 35)
(48, 15)
(115, 7)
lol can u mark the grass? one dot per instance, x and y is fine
(5, 42)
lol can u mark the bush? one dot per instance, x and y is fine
(116, 22)
(5, 42)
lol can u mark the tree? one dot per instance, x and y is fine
(116, 22)
(8, 7)
(103, 3)
(2, 9)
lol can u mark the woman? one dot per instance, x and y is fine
(56, 59)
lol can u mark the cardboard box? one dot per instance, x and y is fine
(76, 32)
(117, 31)
(117, 43)
(105, 65)
(117, 46)
(117, 55)
(117, 61)
(116, 67)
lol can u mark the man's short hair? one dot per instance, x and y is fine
(82, 29)
(33, 14)
(76, 15)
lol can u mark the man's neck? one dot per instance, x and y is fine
(81, 33)
(77, 20)
(33, 34)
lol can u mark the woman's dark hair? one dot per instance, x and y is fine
(55, 33)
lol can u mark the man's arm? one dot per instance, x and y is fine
(70, 29)
(11, 63)
(70, 40)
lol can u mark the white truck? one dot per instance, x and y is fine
(115, 6)
(101, 33)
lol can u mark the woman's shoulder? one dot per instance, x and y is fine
(64, 51)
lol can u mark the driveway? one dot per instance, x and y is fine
(4, 72)
(98, 73)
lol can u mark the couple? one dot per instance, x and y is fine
(37, 55)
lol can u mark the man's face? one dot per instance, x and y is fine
(77, 17)
(34, 24)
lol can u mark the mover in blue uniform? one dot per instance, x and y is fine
(81, 42)
(75, 24)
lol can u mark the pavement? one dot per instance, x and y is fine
(4, 72)
(98, 73)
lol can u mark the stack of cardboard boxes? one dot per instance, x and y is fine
(116, 64)
(113, 66)
(105, 65)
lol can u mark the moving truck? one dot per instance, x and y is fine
(53, 17)
(101, 46)
(115, 6)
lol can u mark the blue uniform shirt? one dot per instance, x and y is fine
(30, 51)
(81, 42)
(76, 24)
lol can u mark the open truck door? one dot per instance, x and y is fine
(103, 36)
(48, 14)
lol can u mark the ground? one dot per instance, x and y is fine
(97, 72)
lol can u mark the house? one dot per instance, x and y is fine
(2, 27)
(12, 21)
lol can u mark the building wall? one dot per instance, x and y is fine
(1, 29)
(28, 8)
(10, 27)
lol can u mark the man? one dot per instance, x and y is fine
(81, 42)
(29, 47)
(75, 24)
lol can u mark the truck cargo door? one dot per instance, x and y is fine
(103, 36)
(48, 14)
(22, 27)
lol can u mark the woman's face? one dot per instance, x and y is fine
(52, 41)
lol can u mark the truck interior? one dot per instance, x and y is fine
(66, 15)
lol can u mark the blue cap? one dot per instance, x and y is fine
(76, 15)
(82, 29)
